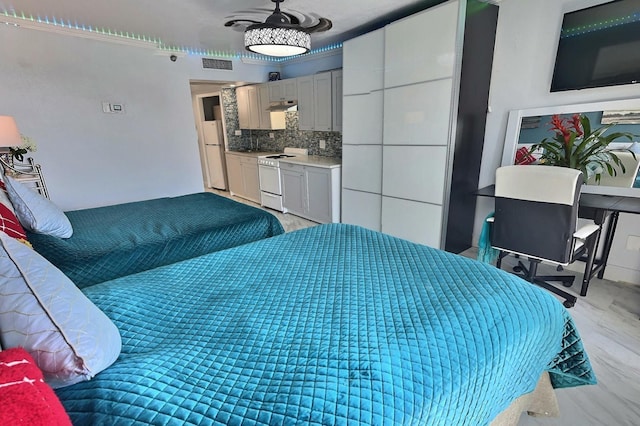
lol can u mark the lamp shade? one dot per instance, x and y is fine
(9, 134)
(274, 40)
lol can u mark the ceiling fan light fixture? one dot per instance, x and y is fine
(277, 36)
(279, 41)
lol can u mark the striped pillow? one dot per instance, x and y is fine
(26, 398)
(9, 223)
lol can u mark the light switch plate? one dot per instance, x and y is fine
(238, 133)
(323, 144)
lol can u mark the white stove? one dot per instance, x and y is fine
(270, 181)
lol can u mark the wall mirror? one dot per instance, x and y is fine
(529, 126)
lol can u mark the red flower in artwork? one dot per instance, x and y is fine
(576, 145)
(577, 126)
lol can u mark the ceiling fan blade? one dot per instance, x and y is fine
(324, 25)
(239, 21)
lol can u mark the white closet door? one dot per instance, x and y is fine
(363, 63)
(421, 47)
(362, 167)
(414, 172)
(418, 114)
(361, 208)
(412, 220)
(363, 118)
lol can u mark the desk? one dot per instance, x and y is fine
(596, 207)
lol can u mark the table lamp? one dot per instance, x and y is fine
(9, 134)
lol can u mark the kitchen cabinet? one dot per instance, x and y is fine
(311, 192)
(250, 178)
(423, 164)
(242, 172)
(294, 193)
(306, 119)
(336, 97)
(320, 101)
(242, 100)
(283, 90)
(322, 93)
(253, 104)
(234, 174)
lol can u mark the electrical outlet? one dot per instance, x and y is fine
(109, 108)
(272, 135)
(323, 144)
(238, 133)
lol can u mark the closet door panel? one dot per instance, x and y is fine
(414, 173)
(412, 220)
(362, 167)
(363, 119)
(410, 120)
(361, 208)
(421, 47)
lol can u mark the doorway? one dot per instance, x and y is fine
(208, 107)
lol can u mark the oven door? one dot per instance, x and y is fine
(270, 179)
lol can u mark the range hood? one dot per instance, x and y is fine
(282, 106)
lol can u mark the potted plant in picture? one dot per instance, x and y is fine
(576, 145)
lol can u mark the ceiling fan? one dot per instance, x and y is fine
(282, 34)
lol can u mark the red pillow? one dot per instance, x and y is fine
(524, 157)
(9, 223)
(24, 396)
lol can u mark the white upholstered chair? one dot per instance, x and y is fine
(536, 212)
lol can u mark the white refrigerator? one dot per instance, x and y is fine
(214, 153)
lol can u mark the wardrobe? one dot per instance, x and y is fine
(415, 96)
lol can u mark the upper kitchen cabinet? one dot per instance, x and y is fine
(336, 96)
(253, 108)
(363, 63)
(322, 94)
(283, 90)
(306, 118)
(319, 100)
(242, 100)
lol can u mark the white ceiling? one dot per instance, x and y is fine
(199, 24)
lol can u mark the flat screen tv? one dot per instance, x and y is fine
(599, 46)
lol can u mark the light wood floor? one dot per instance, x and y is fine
(608, 320)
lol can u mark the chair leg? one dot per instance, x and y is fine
(566, 280)
(529, 274)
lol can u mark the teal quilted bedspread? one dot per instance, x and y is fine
(114, 241)
(331, 325)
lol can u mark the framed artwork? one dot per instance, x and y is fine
(621, 117)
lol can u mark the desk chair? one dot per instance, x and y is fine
(536, 211)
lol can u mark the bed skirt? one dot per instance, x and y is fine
(541, 402)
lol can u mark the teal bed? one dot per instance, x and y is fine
(331, 325)
(114, 241)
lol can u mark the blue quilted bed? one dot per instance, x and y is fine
(331, 325)
(114, 241)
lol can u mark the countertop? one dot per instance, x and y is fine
(251, 153)
(305, 160)
(314, 160)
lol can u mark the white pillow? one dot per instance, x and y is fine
(35, 212)
(41, 310)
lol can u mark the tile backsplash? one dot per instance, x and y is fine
(289, 137)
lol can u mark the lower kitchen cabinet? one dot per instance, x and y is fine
(311, 192)
(242, 172)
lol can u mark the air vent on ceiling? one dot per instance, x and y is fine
(217, 64)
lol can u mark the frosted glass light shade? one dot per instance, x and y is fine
(9, 134)
(277, 41)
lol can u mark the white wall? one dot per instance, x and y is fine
(310, 65)
(54, 85)
(526, 42)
